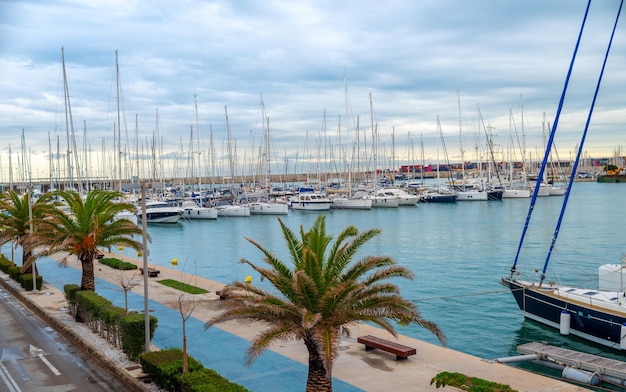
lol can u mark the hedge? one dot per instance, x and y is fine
(132, 333)
(26, 280)
(165, 367)
(207, 380)
(118, 264)
(15, 272)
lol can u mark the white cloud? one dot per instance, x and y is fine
(413, 57)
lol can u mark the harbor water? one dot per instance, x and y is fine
(457, 251)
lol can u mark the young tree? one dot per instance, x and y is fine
(89, 224)
(322, 294)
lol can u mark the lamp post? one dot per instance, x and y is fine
(30, 223)
(145, 268)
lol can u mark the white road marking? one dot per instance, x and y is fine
(40, 353)
(8, 380)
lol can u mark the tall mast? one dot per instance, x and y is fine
(119, 124)
(68, 122)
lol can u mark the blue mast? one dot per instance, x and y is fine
(549, 143)
(580, 148)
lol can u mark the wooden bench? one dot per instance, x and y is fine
(152, 272)
(401, 351)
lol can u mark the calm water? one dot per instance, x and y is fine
(457, 251)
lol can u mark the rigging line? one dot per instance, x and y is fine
(550, 140)
(466, 295)
(581, 144)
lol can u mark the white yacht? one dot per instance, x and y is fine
(160, 212)
(310, 201)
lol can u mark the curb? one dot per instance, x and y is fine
(131, 383)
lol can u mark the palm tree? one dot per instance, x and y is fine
(321, 296)
(15, 220)
(88, 225)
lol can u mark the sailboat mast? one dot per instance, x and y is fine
(119, 124)
(68, 121)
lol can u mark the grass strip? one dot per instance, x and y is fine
(182, 286)
(465, 383)
(118, 264)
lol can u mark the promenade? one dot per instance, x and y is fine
(284, 366)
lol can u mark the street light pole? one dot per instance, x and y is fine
(30, 220)
(144, 227)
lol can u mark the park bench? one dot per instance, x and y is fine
(152, 272)
(372, 342)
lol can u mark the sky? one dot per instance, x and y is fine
(427, 78)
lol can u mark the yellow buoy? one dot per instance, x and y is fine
(121, 247)
(248, 279)
(174, 261)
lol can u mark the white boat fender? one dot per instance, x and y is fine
(517, 358)
(570, 373)
(565, 322)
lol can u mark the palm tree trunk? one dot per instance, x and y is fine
(27, 264)
(319, 379)
(88, 280)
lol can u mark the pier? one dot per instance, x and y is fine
(608, 369)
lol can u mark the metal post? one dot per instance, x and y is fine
(145, 268)
(30, 220)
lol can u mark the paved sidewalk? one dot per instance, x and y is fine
(284, 367)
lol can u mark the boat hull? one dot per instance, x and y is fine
(200, 213)
(351, 204)
(472, 196)
(589, 320)
(516, 194)
(268, 208)
(438, 198)
(233, 211)
(161, 217)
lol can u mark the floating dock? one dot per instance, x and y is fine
(610, 370)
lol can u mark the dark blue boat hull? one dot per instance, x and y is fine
(586, 321)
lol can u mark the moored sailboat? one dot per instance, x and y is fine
(595, 314)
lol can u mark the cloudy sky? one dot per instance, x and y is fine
(321, 67)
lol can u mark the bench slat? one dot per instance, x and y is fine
(401, 351)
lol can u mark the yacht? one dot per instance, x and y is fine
(160, 212)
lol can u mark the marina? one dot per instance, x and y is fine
(457, 252)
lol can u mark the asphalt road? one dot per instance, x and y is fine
(33, 357)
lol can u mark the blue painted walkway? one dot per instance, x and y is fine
(215, 348)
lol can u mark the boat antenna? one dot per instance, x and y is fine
(580, 148)
(549, 143)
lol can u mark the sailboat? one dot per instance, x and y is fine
(263, 204)
(228, 208)
(595, 314)
(197, 207)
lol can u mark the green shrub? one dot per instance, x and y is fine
(466, 383)
(118, 264)
(14, 273)
(90, 305)
(5, 264)
(132, 333)
(166, 366)
(207, 380)
(70, 295)
(26, 281)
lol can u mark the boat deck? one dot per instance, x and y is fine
(589, 362)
